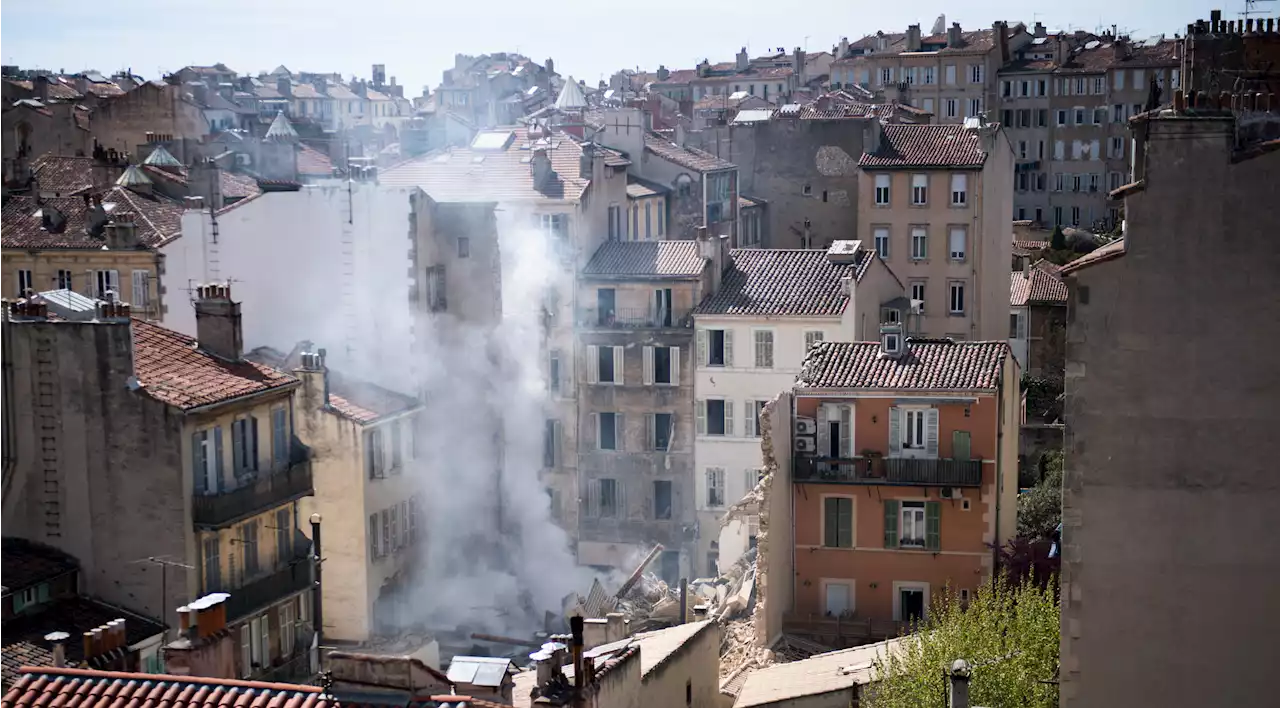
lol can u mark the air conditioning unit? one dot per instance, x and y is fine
(806, 426)
(806, 444)
(951, 493)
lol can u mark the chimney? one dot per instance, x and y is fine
(958, 692)
(551, 66)
(575, 627)
(712, 248)
(704, 67)
(58, 640)
(314, 373)
(284, 86)
(586, 162)
(892, 343)
(843, 48)
(953, 35)
(663, 74)
(218, 328)
(1121, 49)
(1060, 50)
(742, 60)
(1000, 31)
(540, 168)
(913, 38)
(41, 86)
(799, 66)
(88, 649)
(122, 231)
(1039, 30)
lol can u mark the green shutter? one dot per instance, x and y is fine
(960, 445)
(891, 523)
(845, 526)
(933, 526)
(831, 522)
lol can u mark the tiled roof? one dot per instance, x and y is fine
(1030, 245)
(680, 76)
(1040, 285)
(173, 370)
(313, 163)
(24, 634)
(306, 91)
(104, 89)
(58, 89)
(1111, 251)
(157, 218)
(237, 186)
(647, 259)
(64, 175)
(927, 365)
(366, 403)
(926, 146)
(24, 563)
(779, 282)
(691, 158)
(498, 175)
(833, 672)
(84, 688)
(342, 93)
(638, 187)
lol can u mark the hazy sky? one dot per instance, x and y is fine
(417, 39)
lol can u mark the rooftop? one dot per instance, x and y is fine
(646, 259)
(172, 369)
(1039, 286)
(927, 365)
(687, 157)
(24, 634)
(313, 163)
(837, 671)
(25, 563)
(157, 218)
(65, 176)
(50, 687)
(1111, 251)
(782, 282)
(938, 146)
(638, 188)
(349, 398)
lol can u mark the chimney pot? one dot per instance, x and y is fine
(87, 648)
(58, 640)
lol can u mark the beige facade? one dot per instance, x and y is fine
(945, 234)
(135, 272)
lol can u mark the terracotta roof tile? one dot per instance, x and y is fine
(58, 89)
(313, 163)
(157, 218)
(1041, 285)
(638, 187)
(1111, 251)
(926, 146)
(647, 259)
(24, 634)
(49, 687)
(171, 368)
(780, 282)
(690, 158)
(65, 176)
(927, 365)
(306, 91)
(366, 403)
(24, 563)
(238, 186)
(1031, 245)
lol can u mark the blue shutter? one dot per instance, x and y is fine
(198, 463)
(252, 424)
(280, 436)
(217, 458)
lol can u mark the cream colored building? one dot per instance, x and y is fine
(936, 203)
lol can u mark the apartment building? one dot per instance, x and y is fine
(168, 447)
(951, 74)
(1038, 318)
(1025, 92)
(753, 333)
(904, 464)
(365, 452)
(635, 391)
(935, 205)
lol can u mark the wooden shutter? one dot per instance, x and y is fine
(931, 432)
(140, 294)
(592, 440)
(252, 422)
(846, 432)
(648, 366)
(895, 431)
(619, 429)
(960, 445)
(891, 523)
(198, 476)
(593, 364)
(844, 522)
(619, 360)
(593, 498)
(246, 654)
(728, 347)
(620, 498)
(671, 433)
(557, 433)
(675, 366)
(728, 418)
(824, 438)
(649, 431)
(933, 525)
(703, 354)
(831, 522)
(701, 406)
(373, 535)
(217, 459)
(748, 420)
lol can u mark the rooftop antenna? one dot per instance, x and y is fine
(164, 564)
(1251, 8)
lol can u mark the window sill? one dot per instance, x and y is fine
(956, 314)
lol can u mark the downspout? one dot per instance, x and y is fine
(995, 548)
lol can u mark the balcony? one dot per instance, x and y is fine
(265, 590)
(255, 495)
(892, 470)
(632, 318)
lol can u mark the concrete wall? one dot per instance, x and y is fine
(1168, 405)
(694, 667)
(621, 686)
(775, 562)
(107, 461)
(44, 266)
(124, 121)
(39, 134)
(1046, 340)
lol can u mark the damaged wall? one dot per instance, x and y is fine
(775, 564)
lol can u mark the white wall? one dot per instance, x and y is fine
(329, 263)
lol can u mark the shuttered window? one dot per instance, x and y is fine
(837, 516)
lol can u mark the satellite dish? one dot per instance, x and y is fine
(940, 24)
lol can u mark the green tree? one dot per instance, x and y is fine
(1040, 508)
(1009, 635)
(1058, 240)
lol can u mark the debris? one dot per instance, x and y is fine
(635, 575)
(498, 639)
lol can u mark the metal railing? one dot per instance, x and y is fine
(254, 495)
(889, 470)
(262, 592)
(632, 318)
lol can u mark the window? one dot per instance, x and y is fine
(1022, 149)
(1057, 214)
(957, 297)
(609, 431)
(1058, 182)
(919, 244)
(662, 365)
(397, 447)
(890, 314)
(1006, 89)
(952, 107)
(1024, 89)
(1095, 149)
(927, 105)
(1080, 115)
(919, 189)
(464, 247)
(249, 546)
(882, 242)
(662, 499)
(661, 430)
(635, 220)
(949, 72)
(1080, 86)
(1117, 113)
(1015, 326)
(886, 75)
(1093, 182)
(1117, 148)
(648, 220)
(1062, 117)
(555, 225)
(608, 498)
(288, 619)
(605, 364)
(284, 533)
(1075, 213)
(1006, 118)
(24, 282)
(374, 455)
(106, 281)
(929, 77)
(1076, 182)
(436, 301)
(1175, 78)
(280, 437)
(1139, 79)
(715, 487)
(1099, 116)
(763, 348)
(715, 347)
(975, 73)
(1042, 118)
(913, 437)
(807, 190)
(553, 370)
(1099, 85)
(913, 525)
(957, 239)
(64, 280)
(715, 417)
(837, 522)
(882, 190)
(812, 339)
(212, 567)
(244, 446)
(975, 107)
(959, 189)
(1059, 149)
(1113, 181)
(751, 420)
(1137, 108)
(917, 293)
(1119, 80)
(550, 442)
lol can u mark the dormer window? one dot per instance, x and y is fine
(892, 343)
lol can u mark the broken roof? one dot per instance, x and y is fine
(784, 282)
(24, 563)
(926, 365)
(646, 259)
(1111, 251)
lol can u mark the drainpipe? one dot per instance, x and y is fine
(1001, 392)
(317, 606)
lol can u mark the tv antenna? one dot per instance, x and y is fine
(164, 564)
(1251, 8)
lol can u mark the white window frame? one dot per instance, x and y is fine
(919, 189)
(883, 189)
(922, 523)
(912, 289)
(919, 243)
(959, 189)
(952, 287)
(953, 107)
(899, 586)
(958, 255)
(880, 237)
(813, 338)
(975, 73)
(762, 347)
(849, 583)
(714, 478)
(703, 414)
(909, 413)
(24, 282)
(950, 74)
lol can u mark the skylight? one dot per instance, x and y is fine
(493, 140)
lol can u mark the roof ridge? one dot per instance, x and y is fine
(205, 680)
